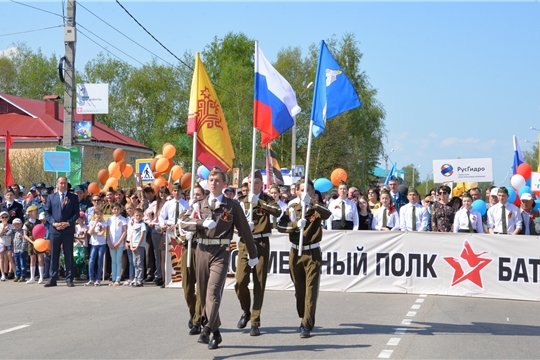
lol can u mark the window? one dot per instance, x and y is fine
(98, 155)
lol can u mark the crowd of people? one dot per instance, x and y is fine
(118, 235)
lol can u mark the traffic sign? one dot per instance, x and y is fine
(143, 168)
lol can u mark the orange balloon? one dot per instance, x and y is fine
(156, 174)
(93, 188)
(153, 164)
(41, 245)
(159, 156)
(164, 146)
(337, 176)
(176, 172)
(160, 181)
(118, 155)
(122, 163)
(156, 188)
(169, 151)
(185, 181)
(171, 164)
(102, 176)
(128, 171)
(113, 167)
(162, 165)
(116, 174)
(111, 183)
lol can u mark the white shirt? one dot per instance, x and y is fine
(392, 220)
(351, 212)
(405, 217)
(461, 220)
(116, 228)
(513, 218)
(283, 207)
(95, 239)
(168, 215)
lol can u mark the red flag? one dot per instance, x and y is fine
(8, 179)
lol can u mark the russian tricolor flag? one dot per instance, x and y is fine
(275, 101)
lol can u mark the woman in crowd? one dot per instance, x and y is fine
(442, 212)
(467, 219)
(344, 211)
(386, 217)
(373, 199)
(365, 217)
(152, 221)
(120, 197)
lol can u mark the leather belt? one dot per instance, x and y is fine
(307, 247)
(214, 241)
(258, 236)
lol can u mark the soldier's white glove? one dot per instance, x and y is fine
(189, 236)
(301, 223)
(209, 224)
(251, 225)
(253, 262)
(191, 201)
(253, 200)
(306, 199)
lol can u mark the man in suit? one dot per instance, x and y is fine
(398, 198)
(530, 218)
(61, 211)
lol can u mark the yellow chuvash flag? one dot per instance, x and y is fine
(206, 117)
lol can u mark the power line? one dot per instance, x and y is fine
(95, 42)
(27, 31)
(127, 37)
(33, 7)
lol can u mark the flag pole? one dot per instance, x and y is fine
(254, 143)
(306, 175)
(269, 179)
(193, 163)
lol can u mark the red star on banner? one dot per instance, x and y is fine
(474, 261)
(176, 248)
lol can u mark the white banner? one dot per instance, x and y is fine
(462, 170)
(92, 98)
(491, 266)
(535, 181)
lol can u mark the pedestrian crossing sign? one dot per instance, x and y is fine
(143, 168)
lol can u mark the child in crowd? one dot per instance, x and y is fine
(47, 255)
(32, 213)
(6, 247)
(20, 251)
(97, 230)
(130, 210)
(386, 217)
(137, 243)
(116, 235)
(81, 244)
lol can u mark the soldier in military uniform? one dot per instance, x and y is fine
(305, 269)
(260, 206)
(213, 230)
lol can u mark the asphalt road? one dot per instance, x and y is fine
(148, 322)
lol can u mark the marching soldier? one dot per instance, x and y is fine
(305, 269)
(260, 206)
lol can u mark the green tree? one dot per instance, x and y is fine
(409, 171)
(531, 156)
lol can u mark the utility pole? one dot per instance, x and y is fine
(363, 164)
(70, 37)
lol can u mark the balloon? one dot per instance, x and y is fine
(111, 183)
(537, 204)
(162, 164)
(156, 174)
(171, 164)
(168, 151)
(528, 182)
(203, 172)
(480, 206)
(102, 176)
(93, 188)
(512, 194)
(536, 192)
(517, 181)
(156, 188)
(116, 173)
(322, 184)
(338, 175)
(39, 231)
(160, 181)
(524, 189)
(517, 202)
(185, 181)
(128, 171)
(153, 164)
(524, 170)
(164, 146)
(118, 155)
(122, 164)
(176, 172)
(204, 184)
(41, 245)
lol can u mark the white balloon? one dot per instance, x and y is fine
(204, 184)
(517, 181)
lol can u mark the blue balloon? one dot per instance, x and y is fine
(480, 206)
(511, 195)
(524, 189)
(528, 182)
(322, 184)
(537, 204)
(204, 173)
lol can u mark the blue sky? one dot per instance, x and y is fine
(457, 79)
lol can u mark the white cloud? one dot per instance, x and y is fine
(9, 53)
(403, 135)
(453, 140)
(433, 135)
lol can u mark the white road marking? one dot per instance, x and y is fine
(423, 295)
(419, 300)
(400, 331)
(415, 307)
(385, 354)
(411, 313)
(13, 329)
(406, 322)
(393, 341)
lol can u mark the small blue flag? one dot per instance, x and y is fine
(391, 174)
(333, 93)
